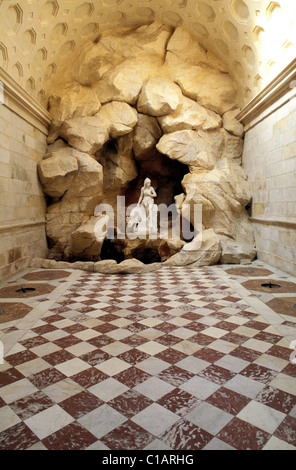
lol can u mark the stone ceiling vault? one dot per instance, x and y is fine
(254, 38)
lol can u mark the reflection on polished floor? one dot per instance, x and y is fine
(176, 359)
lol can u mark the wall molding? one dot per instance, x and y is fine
(24, 225)
(271, 94)
(276, 222)
(18, 100)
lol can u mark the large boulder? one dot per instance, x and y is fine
(84, 240)
(71, 100)
(207, 86)
(203, 250)
(89, 134)
(76, 206)
(188, 49)
(223, 194)
(95, 60)
(146, 135)
(121, 118)
(231, 123)
(86, 134)
(57, 171)
(194, 148)
(125, 81)
(190, 115)
(159, 96)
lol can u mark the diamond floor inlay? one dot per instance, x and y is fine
(181, 358)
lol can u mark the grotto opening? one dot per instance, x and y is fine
(146, 102)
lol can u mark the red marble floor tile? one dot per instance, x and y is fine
(268, 337)
(235, 338)
(132, 377)
(134, 356)
(105, 328)
(100, 341)
(86, 309)
(287, 430)
(58, 357)
(17, 437)
(243, 436)
(168, 340)
(178, 401)
(259, 373)
(216, 374)
(175, 375)
(226, 325)
(33, 342)
(136, 327)
(208, 354)
(195, 326)
(46, 377)
(277, 399)
(213, 306)
(228, 400)
(31, 405)
(256, 324)
(279, 351)
(202, 339)
(219, 315)
(192, 316)
(95, 357)
(165, 327)
(66, 341)
(231, 298)
(2, 402)
(10, 376)
(245, 353)
(41, 330)
(247, 314)
(20, 358)
(290, 369)
(171, 355)
(74, 329)
(184, 435)
(90, 301)
(61, 308)
(134, 340)
(136, 317)
(128, 436)
(80, 404)
(71, 437)
(89, 377)
(130, 403)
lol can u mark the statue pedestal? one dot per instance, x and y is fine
(140, 226)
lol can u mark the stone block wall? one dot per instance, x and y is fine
(22, 203)
(269, 158)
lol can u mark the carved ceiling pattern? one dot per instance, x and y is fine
(254, 38)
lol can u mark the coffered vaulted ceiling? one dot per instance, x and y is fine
(254, 38)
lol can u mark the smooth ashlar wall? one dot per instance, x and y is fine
(269, 158)
(23, 132)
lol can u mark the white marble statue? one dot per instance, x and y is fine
(143, 217)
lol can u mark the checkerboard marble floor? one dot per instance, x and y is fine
(176, 359)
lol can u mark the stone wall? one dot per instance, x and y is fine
(269, 158)
(22, 203)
